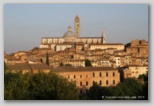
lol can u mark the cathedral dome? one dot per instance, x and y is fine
(69, 33)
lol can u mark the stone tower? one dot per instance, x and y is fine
(103, 38)
(77, 26)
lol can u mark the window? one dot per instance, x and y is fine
(74, 76)
(100, 74)
(107, 82)
(106, 74)
(80, 83)
(93, 74)
(113, 74)
(100, 82)
(87, 83)
(68, 76)
(80, 76)
(113, 82)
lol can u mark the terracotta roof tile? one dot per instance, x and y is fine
(26, 66)
(39, 66)
(77, 69)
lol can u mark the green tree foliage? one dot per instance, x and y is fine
(47, 59)
(5, 66)
(41, 86)
(87, 63)
(15, 86)
(145, 90)
(130, 87)
(95, 92)
(68, 65)
(61, 64)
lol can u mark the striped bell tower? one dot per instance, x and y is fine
(77, 26)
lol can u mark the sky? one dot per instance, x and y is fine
(26, 24)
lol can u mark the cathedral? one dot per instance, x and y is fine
(72, 39)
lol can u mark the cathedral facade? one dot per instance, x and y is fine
(70, 38)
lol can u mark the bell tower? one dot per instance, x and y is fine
(103, 38)
(77, 26)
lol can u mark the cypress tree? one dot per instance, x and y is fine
(47, 59)
(88, 63)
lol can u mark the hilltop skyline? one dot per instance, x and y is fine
(26, 24)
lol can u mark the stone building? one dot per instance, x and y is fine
(29, 68)
(137, 47)
(84, 77)
(71, 39)
(137, 70)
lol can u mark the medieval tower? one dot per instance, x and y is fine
(103, 38)
(77, 26)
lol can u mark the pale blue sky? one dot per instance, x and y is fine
(26, 24)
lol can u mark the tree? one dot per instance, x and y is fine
(95, 92)
(47, 59)
(5, 66)
(87, 63)
(16, 86)
(41, 86)
(145, 90)
(61, 64)
(68, 65)
(130, 87)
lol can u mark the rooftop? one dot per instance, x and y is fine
(78, 69)
(26, 66)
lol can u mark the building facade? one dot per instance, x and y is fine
(84, 77)
(70, 38)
